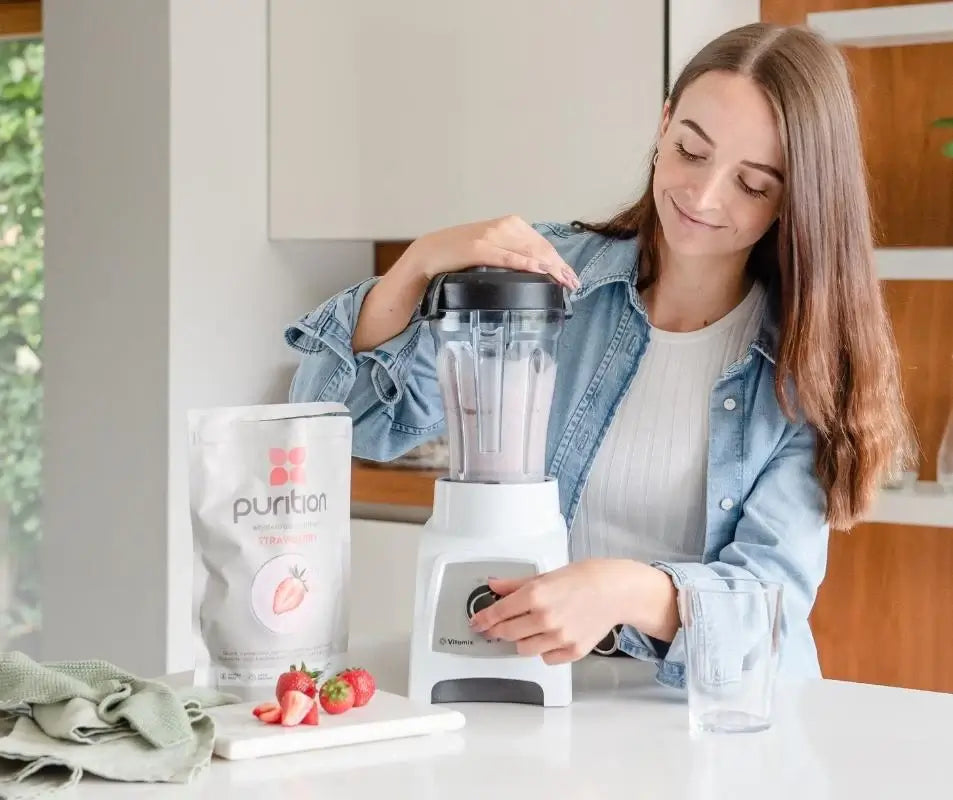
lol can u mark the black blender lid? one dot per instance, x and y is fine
(492, 289)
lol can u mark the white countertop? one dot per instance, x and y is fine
(623, 736)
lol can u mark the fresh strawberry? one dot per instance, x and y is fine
(362, 682)
(261, 708)
(336, 695)
(272, 716)
(294, 707)
(290, 592)
(311, 718)
(299, 679)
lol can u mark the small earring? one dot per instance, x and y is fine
(655, 158)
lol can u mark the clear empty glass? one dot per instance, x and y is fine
(732, 629)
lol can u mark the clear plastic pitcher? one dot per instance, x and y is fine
(496, 335)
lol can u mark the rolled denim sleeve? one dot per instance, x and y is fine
(391, 391)
(781, 536)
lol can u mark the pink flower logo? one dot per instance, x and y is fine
(280, 461)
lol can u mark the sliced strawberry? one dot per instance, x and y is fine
(272, 716)
(311, 718)
(263, 707)
(294, 707)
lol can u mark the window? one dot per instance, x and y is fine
(21, 334)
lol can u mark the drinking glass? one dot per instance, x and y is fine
(732, 629)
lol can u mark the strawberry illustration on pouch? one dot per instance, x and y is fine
(289, 594)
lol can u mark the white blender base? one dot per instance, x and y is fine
(477, 531)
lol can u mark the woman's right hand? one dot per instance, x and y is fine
(505, 242)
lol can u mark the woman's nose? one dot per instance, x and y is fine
(710, 192)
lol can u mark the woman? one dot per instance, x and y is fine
(734, 388)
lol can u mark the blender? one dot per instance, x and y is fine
(497, 512)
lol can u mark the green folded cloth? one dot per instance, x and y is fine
(61, 719)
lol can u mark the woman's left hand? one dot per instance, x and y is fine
(561, 615)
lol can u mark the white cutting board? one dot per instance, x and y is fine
(239, 734)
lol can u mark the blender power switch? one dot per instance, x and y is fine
(480, 598)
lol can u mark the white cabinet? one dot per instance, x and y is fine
(389, 119)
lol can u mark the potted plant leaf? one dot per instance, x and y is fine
(945, 122)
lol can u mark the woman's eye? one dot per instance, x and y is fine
(685, 154)
(751, 191)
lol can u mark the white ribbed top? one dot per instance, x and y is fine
(645, 495)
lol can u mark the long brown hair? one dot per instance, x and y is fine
(836, 348)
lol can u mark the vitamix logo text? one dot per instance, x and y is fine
(287, 466)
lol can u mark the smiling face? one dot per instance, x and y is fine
(719, 176)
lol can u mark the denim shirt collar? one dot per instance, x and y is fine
(616, 261)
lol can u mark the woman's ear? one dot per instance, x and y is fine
(664, 122)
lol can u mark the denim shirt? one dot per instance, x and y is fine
(765, 510)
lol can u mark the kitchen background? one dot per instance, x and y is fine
(213, 170)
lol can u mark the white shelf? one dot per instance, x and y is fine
(923, 504)
(915, 263)
(887, 26)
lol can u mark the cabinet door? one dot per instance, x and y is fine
(389, 119)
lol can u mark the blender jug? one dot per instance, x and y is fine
(495, 332)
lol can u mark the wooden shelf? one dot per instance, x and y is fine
(923, 504)
(915, 263)
(886, 26)
(388, 485)
(21, 19)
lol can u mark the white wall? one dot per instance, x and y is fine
(163, 293)
(106, 320)
(694, 23)
(232, 290)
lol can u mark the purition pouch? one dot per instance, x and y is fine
(270, 494)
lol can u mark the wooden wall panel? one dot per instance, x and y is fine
(885, 611)
(386, 253)
(922, 315)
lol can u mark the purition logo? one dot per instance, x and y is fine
(280, 459)
(287, 466)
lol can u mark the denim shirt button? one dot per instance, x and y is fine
(730, 404)
(727, 504)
